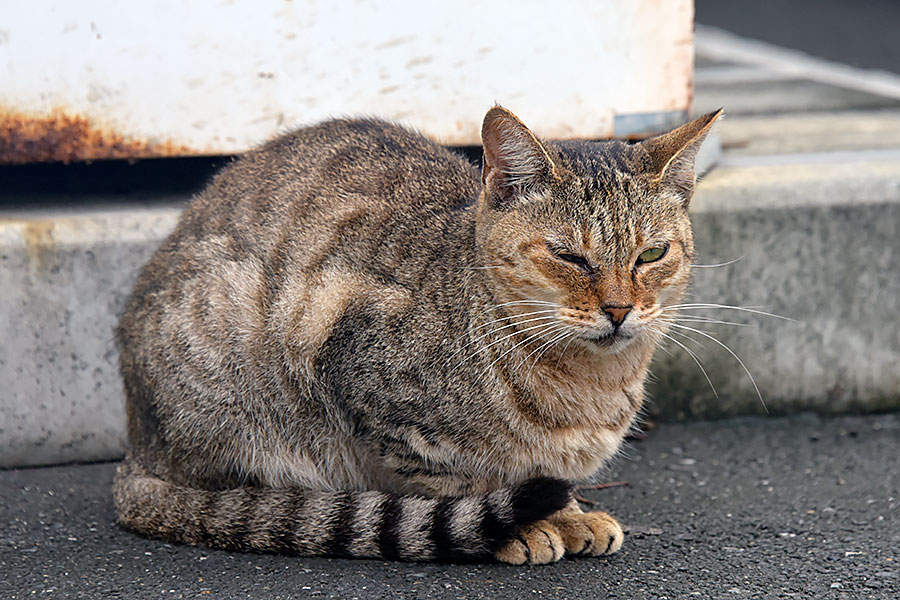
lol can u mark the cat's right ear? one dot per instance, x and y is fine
(515, 162)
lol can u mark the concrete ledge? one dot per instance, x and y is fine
(839, 131)
(819, 242)
(64, 280)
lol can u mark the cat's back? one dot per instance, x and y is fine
(347, 200)
(310, 193)
(364, 163)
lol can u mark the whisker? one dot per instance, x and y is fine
(511, 302)
(506, 337)
(534, 312)
(679, 307)
(736, 357)
(485, 267)
(697, 319)
(693, 356)
(525, 341)
(556, 336)
(543, 334)
(724, 264)
(664, 349)
(685, 336)
(519, 303)
(559, 339)
(563, 353)
(501, 328)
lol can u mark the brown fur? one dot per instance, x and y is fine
(341, 349)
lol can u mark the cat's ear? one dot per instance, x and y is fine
(515, 162)
(672, 154)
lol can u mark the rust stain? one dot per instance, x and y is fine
(62, 137)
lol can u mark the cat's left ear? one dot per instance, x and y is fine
(672, 155)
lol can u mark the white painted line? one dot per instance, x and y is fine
(738, 74)
(810, 158)
(718, 44)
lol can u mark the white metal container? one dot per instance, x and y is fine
(102, 79)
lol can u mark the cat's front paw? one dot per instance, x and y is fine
(588, 534)
(537, 544)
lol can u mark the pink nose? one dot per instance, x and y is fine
(617, 314)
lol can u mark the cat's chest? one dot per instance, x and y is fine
(581, 399)
(575, 453)
(569, 429)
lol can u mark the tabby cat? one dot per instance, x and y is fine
(353, 345)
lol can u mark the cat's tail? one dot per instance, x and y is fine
(357, 524)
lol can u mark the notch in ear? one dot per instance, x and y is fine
(672, 155)
(515, 162)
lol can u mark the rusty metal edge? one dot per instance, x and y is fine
(60, 136)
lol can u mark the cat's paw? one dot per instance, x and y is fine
(588, 534)
(536, 544)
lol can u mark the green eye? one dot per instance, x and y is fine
(652, 254)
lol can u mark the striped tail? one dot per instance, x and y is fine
(367, 524)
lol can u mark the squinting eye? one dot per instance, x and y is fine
(574, 259)
(652, 254)
(568, 257)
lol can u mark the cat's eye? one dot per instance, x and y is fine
(574, 259)
(652, 254)
(568, 257)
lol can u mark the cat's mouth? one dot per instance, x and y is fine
(609, 340)
(605, 338)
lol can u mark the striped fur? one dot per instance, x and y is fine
(354, 345)
(364, 524)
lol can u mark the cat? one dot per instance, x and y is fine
(354, 344)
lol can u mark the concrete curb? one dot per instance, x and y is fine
(816, 228)
(64, 280)
(819, 243)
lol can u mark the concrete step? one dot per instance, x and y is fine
(64, 279)
(810, 133)
(818, 241)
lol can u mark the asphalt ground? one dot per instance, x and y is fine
(798, 507)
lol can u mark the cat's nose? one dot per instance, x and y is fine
(617, 314)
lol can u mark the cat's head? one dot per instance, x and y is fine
(595, 234)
